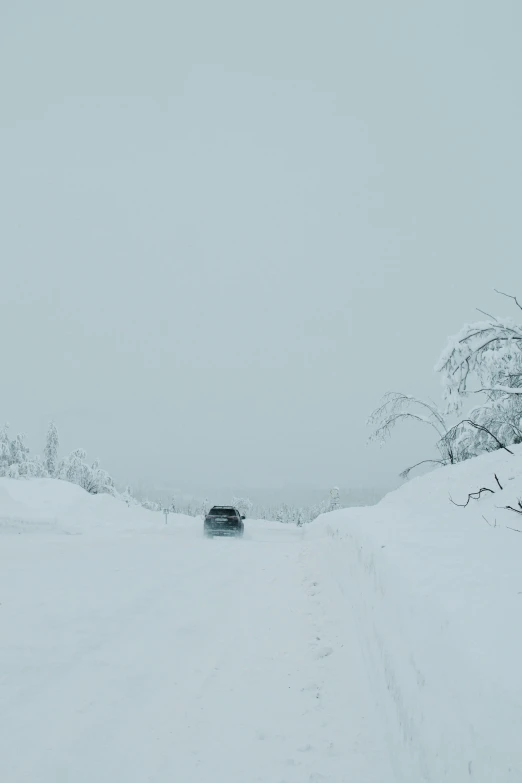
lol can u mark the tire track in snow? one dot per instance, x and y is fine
(350, 735)
(180, 659)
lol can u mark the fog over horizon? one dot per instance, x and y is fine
(228, 229)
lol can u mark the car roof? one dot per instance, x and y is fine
(232, 507)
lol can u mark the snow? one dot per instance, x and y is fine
(137, 651)
(437, 594)
(53, 505)
(376, 645)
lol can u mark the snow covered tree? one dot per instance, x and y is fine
(335, 499)
(97, 481)
(397, 407)
(243, 505)
(19, 451)
(202, 508)
(13, 471)
(319, 508)
(71, 467)
(5, 450)
(485, 357)
(33, 467)
(92, 478)
(128, 497)
(15, 461)
(51, 450)
(487, 351)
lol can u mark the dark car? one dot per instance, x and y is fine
(223, 521)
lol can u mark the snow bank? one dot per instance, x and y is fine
(52, 505)
(437, 593)
(56, 506)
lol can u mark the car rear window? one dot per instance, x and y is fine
(222, 512)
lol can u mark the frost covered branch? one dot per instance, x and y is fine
(484, 357)
(396, 407)
(480, 427)
(490, 351)
(502, 389)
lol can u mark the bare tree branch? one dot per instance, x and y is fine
(498, 482)
(481, 347)
(504, 389)
(488, 315)
(406, 472)
(472, 496)
(509, 297)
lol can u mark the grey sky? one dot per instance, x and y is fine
(228, 227)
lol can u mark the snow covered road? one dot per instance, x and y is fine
(161, 656)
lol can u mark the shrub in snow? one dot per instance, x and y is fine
(33, 467)
(151, 505)
(92, 478)
(13, 472)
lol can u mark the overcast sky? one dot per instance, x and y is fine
(229, 227)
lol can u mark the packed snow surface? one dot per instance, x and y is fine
(137, 651)
(376, 645)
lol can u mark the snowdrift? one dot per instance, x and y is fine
(55, 506)
(436, 590)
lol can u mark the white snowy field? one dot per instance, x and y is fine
(435, 591)
(377, 645)
(134, 651)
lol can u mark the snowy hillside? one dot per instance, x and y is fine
(43, 505)
(437, 594)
